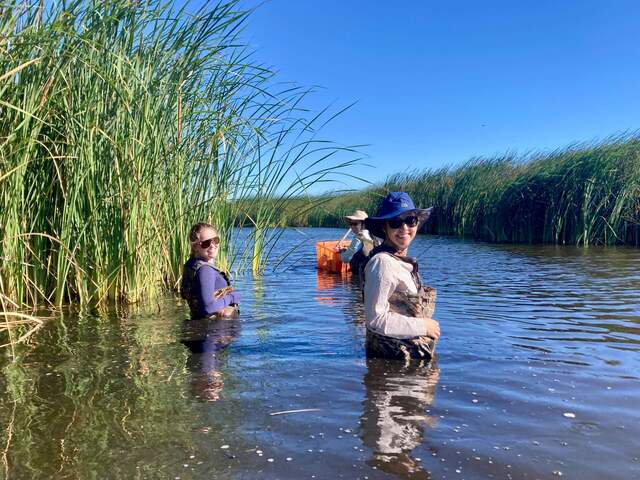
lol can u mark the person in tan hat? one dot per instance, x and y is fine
(358, 251)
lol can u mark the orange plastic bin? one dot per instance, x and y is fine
(328, 256)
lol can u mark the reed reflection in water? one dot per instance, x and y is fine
(530, 333)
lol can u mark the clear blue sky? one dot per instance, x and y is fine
(439, 82)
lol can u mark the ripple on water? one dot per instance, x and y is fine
(530, 334)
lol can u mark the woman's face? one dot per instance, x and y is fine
(356, 226)
(400, 231)
(206, 247)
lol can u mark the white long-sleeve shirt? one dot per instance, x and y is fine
(347, 255)
(385, 275)
(356, 244)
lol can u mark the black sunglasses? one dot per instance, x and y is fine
(353, 224)
(411, 221)
(207, 243)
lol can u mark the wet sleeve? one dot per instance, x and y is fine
(380, 283)
(210, 280)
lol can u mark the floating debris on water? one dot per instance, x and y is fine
(224, 447)
(569, 414)
(300, 410)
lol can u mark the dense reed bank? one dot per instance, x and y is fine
(586, 194)
(121, 124)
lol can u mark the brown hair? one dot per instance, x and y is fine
(197, 228)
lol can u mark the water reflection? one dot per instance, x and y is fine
(331, 286)
(559, 333)
(327, 285)
(207, 341)
(394, 416)
(90, 393)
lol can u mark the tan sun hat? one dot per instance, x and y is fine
(357, 216)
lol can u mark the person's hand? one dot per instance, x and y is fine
(228, 311)
(221, 292)
(433, 328)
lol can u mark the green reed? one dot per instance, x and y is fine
(121, 124)
(586, 194)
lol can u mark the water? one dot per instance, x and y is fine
(536, 377)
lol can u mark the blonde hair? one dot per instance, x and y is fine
(197, 228)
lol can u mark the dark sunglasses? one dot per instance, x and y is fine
(411, 221)
(353, 224)
(207, 243)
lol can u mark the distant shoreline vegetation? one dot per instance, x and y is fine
(586, 194)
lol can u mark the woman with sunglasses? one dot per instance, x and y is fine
(206, 289)
(398, 307)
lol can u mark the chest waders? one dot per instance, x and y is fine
(419, 305)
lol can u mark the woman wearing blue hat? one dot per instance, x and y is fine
(398, 307)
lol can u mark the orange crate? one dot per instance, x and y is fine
(328, 256)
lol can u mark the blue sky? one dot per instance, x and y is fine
(437, 83)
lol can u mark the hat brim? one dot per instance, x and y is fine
(375, 225)
(351, 218)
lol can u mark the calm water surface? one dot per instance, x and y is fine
(536, 377)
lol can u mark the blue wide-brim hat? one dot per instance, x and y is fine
(394, 205)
